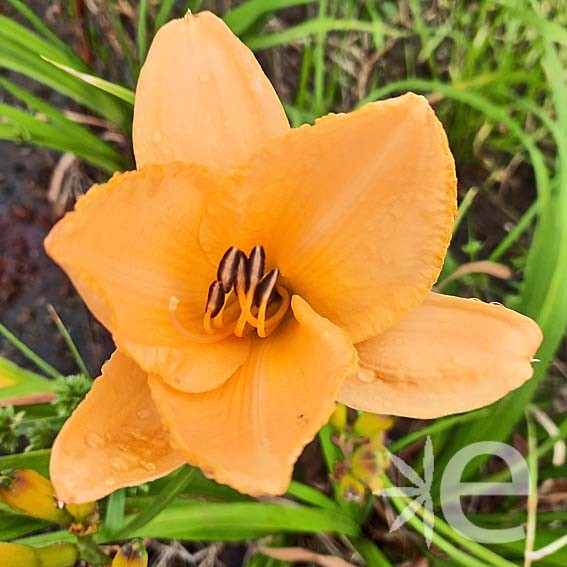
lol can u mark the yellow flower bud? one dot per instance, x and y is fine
(369, 463)
(132, 554)
(86, 518)
(58, 555)
(351, 489)
(371, 424)
(14, 555)
(338, 420)
(30, 493)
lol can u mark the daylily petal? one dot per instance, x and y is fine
(356, 212)
(449, 355)
(115, 438)
(202, 97)
(131, 246)
(249, 432)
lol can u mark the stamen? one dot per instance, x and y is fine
(215, 299)
(242, 280)
(265, 288)
(239, 301)
(256, 265)
(228, 268)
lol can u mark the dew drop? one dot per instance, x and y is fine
(204, 77)
(108, 482)
(366, 375)
(118, 464)
(156, 137)
(139, 435)
(94, 440)
(143, 414)
(147, 465)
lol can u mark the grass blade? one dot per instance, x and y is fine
(19, 386)
(241, 18)
(118, 91)
(69, 341)
(29, 354)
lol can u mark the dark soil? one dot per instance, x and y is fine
(29, 280)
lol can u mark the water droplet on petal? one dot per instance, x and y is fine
(94, 440)
(139, 435)
(366, 375)
(143, 413)
(118, 464)
(148, 466)
(108, 482)
(156, 137)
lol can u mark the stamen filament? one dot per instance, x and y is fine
(272, 322)
(195, 337)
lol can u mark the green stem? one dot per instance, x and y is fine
(176, 485)
(90, 552)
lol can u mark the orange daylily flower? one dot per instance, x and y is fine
(252, 275)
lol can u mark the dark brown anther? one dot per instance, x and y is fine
(256, 265)
(242, 281)
(215, 299)
(266, 287)
(227, 272)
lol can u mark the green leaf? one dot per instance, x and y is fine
(118, 91)
(35, 131)
(44, 30)
(242, 17)
(240, 521)
(67, 134)
(114, 517)
(15, 382)
(142, 30)
(312, 27)
(28, 353)
(21, 51)
(175, 486)
(36, 460)
(14, 525)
